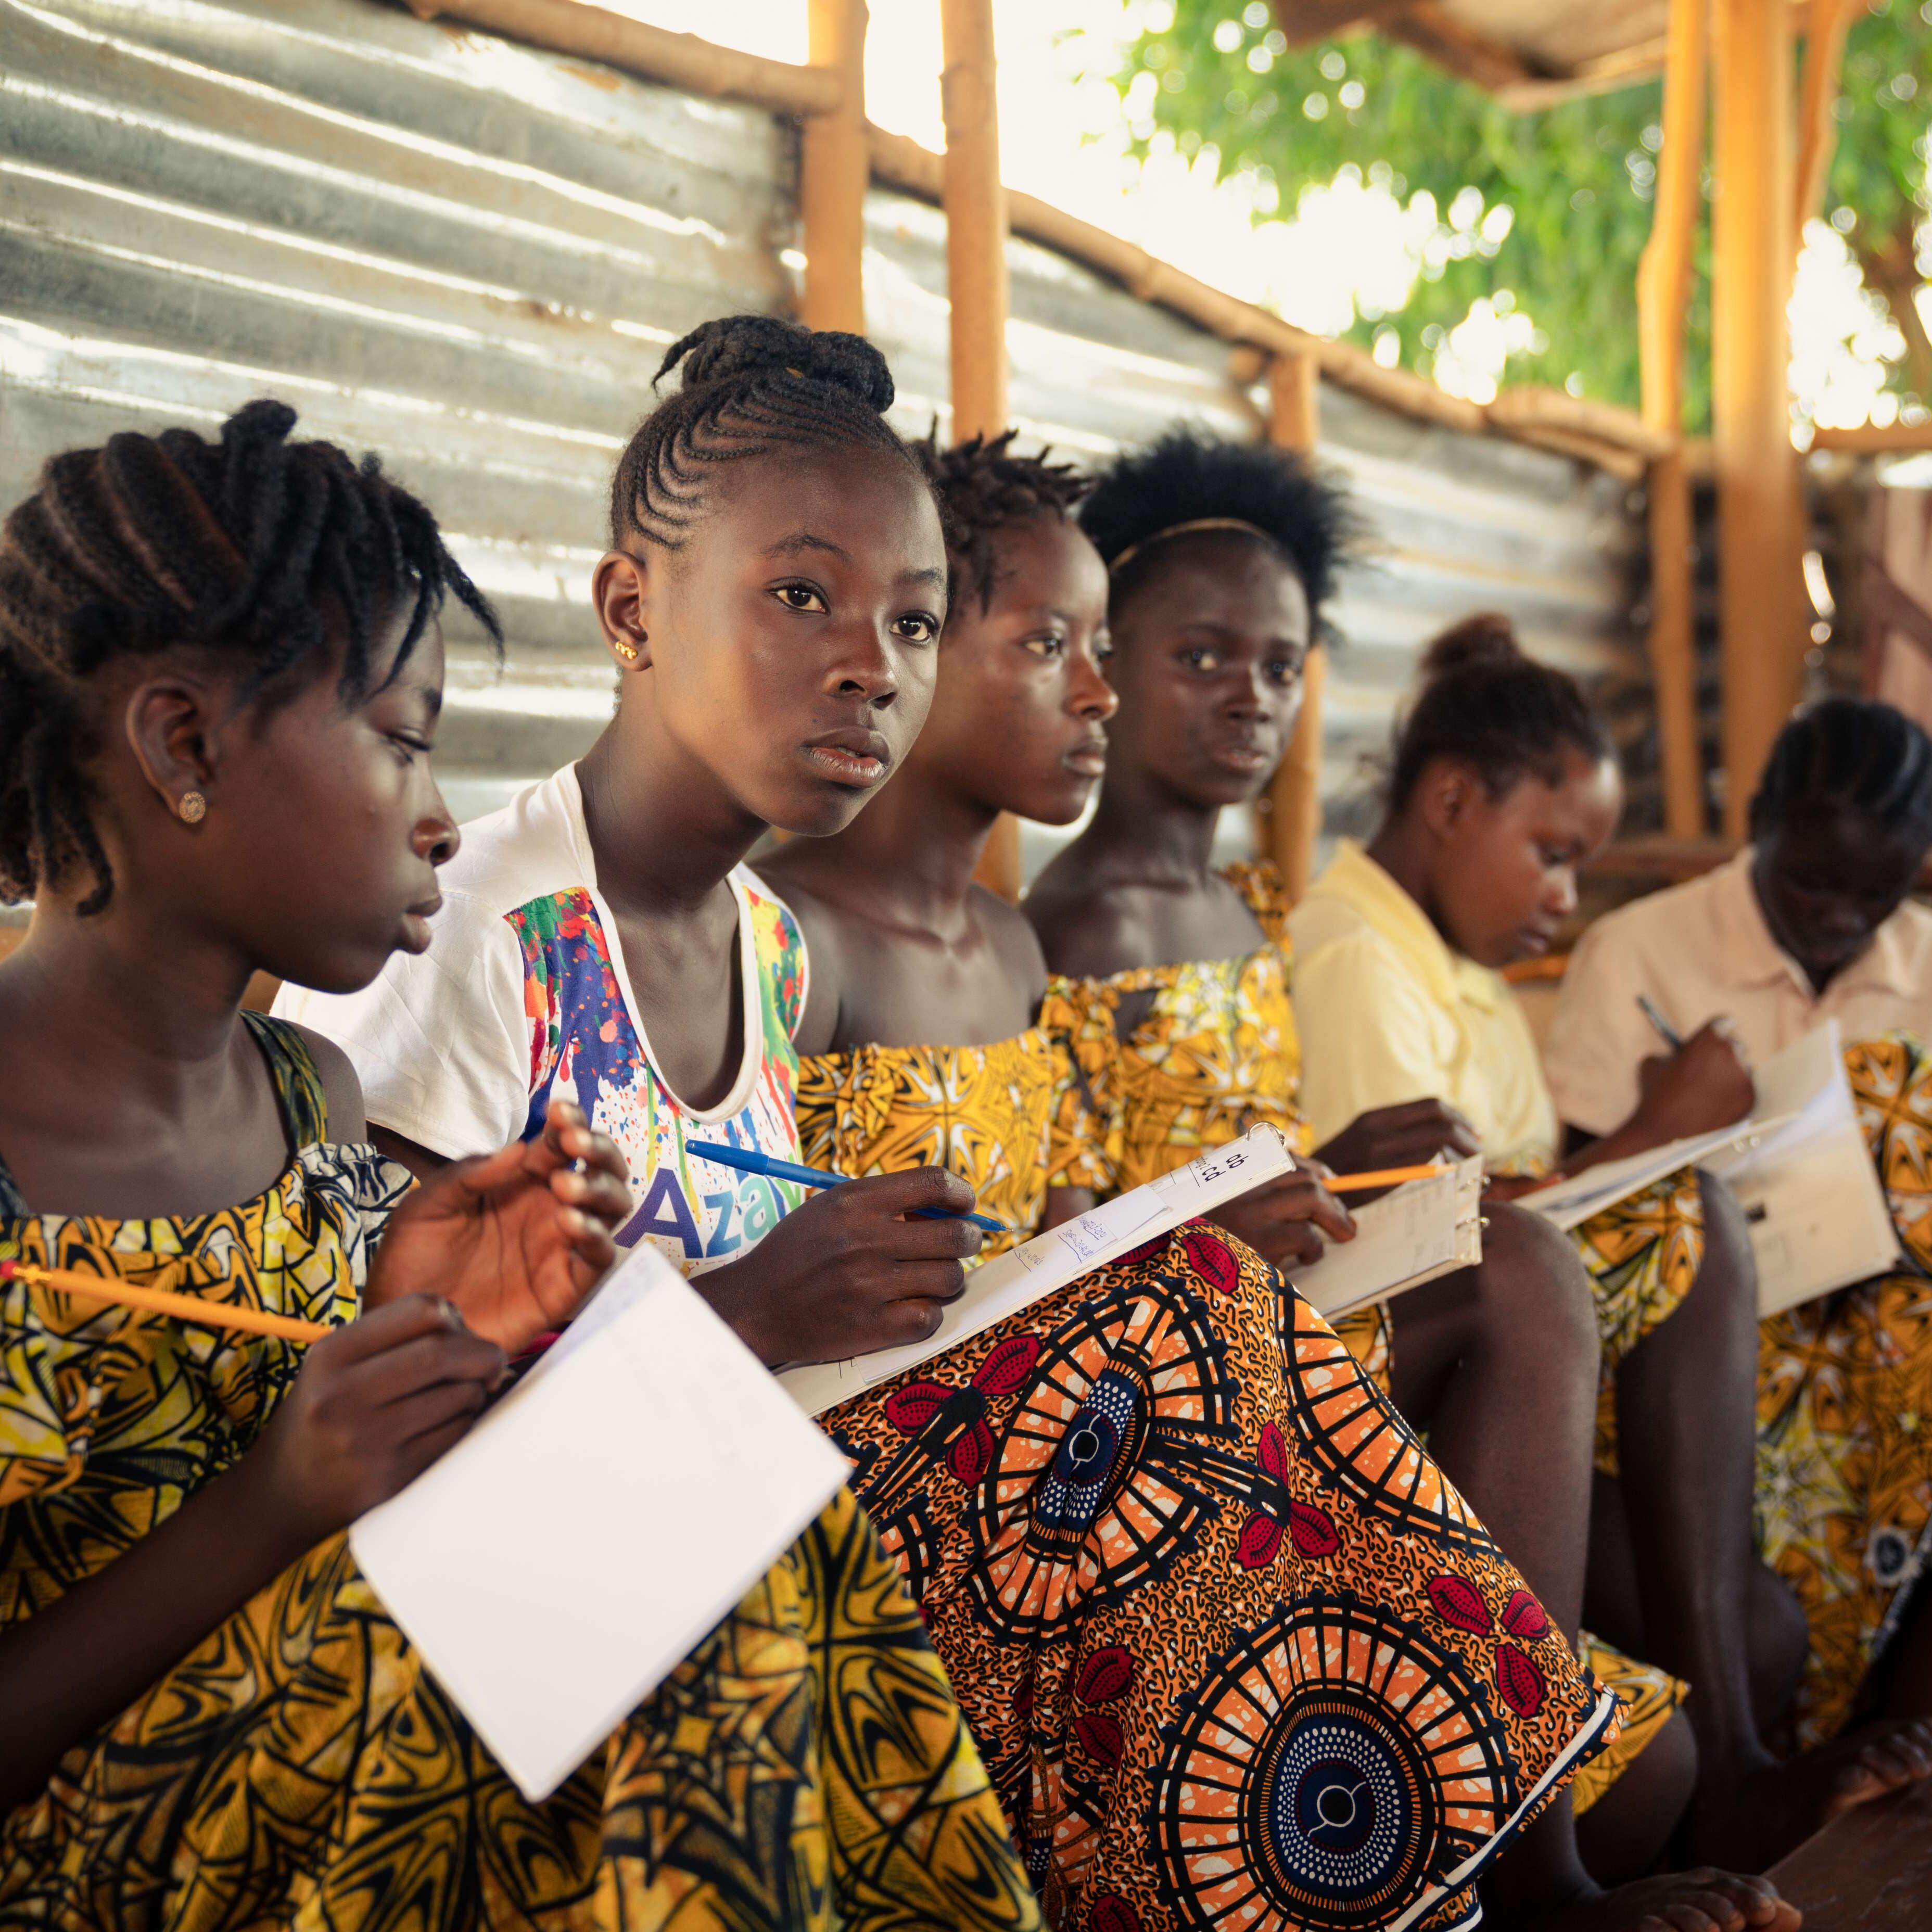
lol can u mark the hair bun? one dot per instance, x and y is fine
(1485, 641)
(734, 346)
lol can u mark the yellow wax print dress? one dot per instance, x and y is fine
(1189, 1058)
(1235, 1652)
(805, 1767)
(1844, 1413)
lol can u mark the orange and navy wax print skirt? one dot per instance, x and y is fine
(1235, 1652)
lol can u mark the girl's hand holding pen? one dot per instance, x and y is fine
(853, 1270)
(1284, 1220)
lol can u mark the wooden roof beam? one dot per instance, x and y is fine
(677, 60)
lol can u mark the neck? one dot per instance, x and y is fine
(664, 833)
(916, 848)
(1146, 832)
(1401, 849)
(135, 1001)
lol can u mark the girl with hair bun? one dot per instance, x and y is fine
(1809, 924)
(1119, 1508)
(1501, 785)
(221, 669)
(1224, 556)
(772, 600)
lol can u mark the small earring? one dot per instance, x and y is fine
(193, 808)
(629, 652)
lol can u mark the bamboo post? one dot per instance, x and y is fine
(1827, 24)
(976, 220)
(975, 203)
(834, 170)
(1760, 528)
(1287, 816)
(1664, 297)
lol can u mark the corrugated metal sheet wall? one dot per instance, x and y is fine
(469, 256)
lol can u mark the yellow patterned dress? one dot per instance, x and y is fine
(1210, 1049)
(1235, 1652)
(805, 1767)
(1844, 1451)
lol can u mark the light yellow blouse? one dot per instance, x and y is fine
(1387, 1012)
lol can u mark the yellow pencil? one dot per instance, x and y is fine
(165, 1301)
(1384, 1177)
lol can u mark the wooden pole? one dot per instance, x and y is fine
(1827, 24)
(1287, 816)
(976, 220)
(1760, 525)
(975, 203)
(1663, 300)
(834, 170)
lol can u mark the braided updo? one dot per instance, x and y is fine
(275, 555)
(752, 384)
(984, 488)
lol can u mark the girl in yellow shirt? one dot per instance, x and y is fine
(1502, 784)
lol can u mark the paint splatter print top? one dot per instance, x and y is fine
(522, 996)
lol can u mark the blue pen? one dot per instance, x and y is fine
(749, 1160)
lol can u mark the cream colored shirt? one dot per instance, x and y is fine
(1701, 949)
(1387, 1012)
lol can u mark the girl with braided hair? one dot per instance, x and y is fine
(1145, 1558)
(772, 598)
(220, 669)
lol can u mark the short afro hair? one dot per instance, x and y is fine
(1187, 476)
(984, 488)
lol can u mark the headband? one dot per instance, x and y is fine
(1133, 550)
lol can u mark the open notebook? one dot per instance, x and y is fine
(1798, 1165)
(1412, 1234)
(562, 1558)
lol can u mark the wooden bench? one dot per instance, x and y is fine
(1869, 1871)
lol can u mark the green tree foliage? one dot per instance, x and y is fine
(1577, 179)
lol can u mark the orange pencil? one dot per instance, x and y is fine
(1384, 1177)
(165, 1301)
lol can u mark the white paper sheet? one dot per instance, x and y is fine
(1568, 1203)
(562, 1558)
(1419, 1230)
(1817, 1212)
(1020, 1277)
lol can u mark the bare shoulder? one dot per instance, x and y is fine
(1089, 934)
(1013, 939)
(341, 1088)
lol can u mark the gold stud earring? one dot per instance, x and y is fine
(193, 808)
(629, 652)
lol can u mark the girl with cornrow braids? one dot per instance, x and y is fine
(1223, 556)
(1149, 1572)
(220, 669)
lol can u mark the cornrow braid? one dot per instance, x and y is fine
(276, 555)
(1858, 754)
(752, 384)
(983, 488)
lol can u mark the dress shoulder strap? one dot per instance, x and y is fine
(298, 1088)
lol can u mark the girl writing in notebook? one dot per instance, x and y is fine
(220, 669)
(772, 600)
(1809, 925)
(1171, 1460)
(1501, 785)
(1224, 556)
